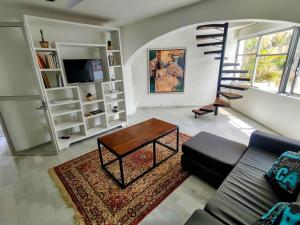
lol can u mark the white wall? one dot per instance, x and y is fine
(16, 79)
(278, 112)
(138, 34)
(201, 72)
(12, 11)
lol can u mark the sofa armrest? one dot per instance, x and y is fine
(273, 143)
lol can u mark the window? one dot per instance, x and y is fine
(265, 57)
(293, 84)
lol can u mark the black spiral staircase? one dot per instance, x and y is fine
(218, 39)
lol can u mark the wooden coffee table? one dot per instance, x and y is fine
(128, 140)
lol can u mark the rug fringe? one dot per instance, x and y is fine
(66, 197)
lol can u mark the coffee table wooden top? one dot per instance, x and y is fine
(131, 138)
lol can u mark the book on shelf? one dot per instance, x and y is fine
(41, 62)
(46, 80)
(48, 61)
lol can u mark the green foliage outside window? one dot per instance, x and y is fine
(265, 58)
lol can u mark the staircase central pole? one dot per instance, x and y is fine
(221, 63)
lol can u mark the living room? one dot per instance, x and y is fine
(138, 112)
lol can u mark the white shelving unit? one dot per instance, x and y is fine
(70, 114)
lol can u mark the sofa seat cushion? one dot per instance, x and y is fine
(214, 152)
(200, 217)
(245, 195)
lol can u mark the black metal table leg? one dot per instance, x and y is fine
(155, 163)
(100, 153)
(122, 173)
(154, 154)
(177, 141)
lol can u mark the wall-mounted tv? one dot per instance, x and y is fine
(83, 70)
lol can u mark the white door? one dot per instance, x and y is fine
(22, 112)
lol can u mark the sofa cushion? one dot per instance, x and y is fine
(210, 151)
(284, 176)
(281, 213)
(245, 195)
(201, 217)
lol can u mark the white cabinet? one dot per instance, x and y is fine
(72, 116)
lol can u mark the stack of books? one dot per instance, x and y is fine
(48, 61)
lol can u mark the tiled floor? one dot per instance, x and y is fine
(28, 196)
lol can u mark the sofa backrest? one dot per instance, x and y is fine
(273, 143)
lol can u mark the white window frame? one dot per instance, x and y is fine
(289, 55)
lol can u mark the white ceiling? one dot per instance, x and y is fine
(116, 12)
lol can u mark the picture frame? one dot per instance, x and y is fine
(166, 70)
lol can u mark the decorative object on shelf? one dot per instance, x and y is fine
(95, 112)
(65, 137)
(115, 109)
(109, 45)
(89, 97)
(111, 87)
(59, 80)
(166, 69)
(88, 114)
(43, 43)
(111, 60)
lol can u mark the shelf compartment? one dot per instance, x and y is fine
(92, 102)
(50, 70)
(93, 116)
(111, 93)
(45, 49)
(61, 112)
(116, 123)
(60, 88)
(64, 103)
(114, 66)
(112, 81)
(115, 113)
(112, 101)
(64, 143)
(113, 51)
(67, 125)
(95, 130)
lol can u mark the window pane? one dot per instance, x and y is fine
(269, 72)
(276, 43)
(292, 75)
(248, 46)
(247, 62)
(297, 86)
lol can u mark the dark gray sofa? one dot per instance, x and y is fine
(244, 196)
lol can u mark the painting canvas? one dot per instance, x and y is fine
(166, 70)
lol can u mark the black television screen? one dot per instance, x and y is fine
(83, 70)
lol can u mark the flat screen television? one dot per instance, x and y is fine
(83, 70)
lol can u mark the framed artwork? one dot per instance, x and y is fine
(166, 69)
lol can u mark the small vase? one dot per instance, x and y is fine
(44, 44)
(90, 98)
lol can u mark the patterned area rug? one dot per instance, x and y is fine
(97, 199)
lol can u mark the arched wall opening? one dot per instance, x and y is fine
(201, 75)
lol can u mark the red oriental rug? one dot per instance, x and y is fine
(97, 199)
